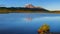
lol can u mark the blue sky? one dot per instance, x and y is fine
(47, 4)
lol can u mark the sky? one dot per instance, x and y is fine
(47, 4)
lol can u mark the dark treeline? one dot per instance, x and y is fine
(20, 9)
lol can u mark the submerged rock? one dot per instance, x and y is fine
(44, 29)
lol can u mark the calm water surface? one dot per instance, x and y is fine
(27, 23)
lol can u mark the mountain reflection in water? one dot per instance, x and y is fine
(17, 23)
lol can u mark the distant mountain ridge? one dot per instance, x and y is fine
(29, 8)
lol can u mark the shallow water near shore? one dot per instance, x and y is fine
(28, 23)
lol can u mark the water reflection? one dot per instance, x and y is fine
(24, 23)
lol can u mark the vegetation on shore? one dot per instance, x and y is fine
(25, 10)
